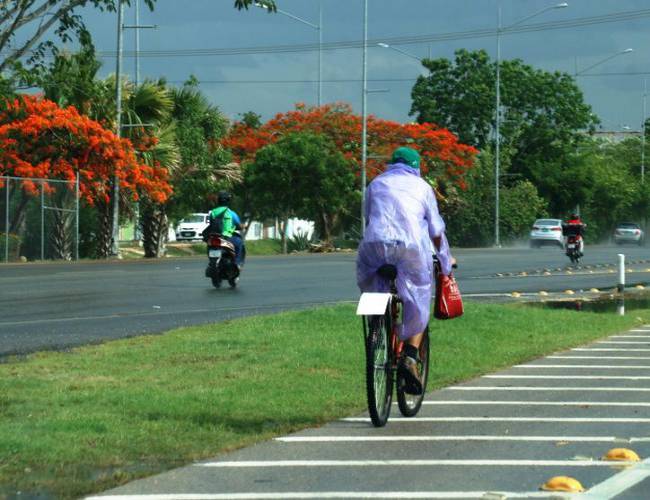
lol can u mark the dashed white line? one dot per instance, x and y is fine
(328, 494)
(574, 377)
(612, 349)
(409, 463)
(533, 388)
(537, 403)
(642, 342)
(567, 420)
(630, 337)
(553, 439)
(598, 357)
(600, 367)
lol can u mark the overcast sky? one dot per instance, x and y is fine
(239, 83)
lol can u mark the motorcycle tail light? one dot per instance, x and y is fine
(214, 241)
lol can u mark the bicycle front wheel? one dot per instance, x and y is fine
(410, 404)
(379, 375)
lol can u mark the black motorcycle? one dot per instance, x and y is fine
(221, 261)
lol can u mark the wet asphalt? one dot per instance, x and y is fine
(61, 305)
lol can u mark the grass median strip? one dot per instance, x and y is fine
(82, 421)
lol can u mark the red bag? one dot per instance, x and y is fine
(449, 303)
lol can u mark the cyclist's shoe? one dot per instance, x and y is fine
(408, 371)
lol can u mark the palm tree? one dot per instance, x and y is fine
(147, 110)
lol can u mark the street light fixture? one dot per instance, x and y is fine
(386, 46)
(583, 71)
(318, 27)
(500, 29)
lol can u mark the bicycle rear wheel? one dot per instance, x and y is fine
(409, 404)
(379, 362)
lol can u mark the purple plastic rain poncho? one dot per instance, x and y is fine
(402, 217)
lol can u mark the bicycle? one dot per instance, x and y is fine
(381, 316)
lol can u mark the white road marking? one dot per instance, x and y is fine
(630, 337)
(598, 357)
(566, 420)
(640, 330)
(573, 377)
(608, 349)
(533, 388)
(603, 367)
(621, 342)
(554, 439)
(409, 463)
(536, 403)
(619, 483)
(330, 494)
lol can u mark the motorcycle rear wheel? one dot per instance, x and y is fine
(216, 282)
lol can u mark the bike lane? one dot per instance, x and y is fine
(502, 435)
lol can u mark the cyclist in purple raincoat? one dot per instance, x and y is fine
(402, 222)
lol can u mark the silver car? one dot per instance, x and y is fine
(628, 232)
(546, 232)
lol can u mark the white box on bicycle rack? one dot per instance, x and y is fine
(372, 304)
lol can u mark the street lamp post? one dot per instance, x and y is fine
(500, 29)
(364, 117)
(318, 27)
(115, 246)
(583, 71)
(408, 54)
(645, 93)
(115, 232)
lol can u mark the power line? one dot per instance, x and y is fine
(403, 40)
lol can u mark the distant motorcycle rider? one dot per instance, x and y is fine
(575, 227)
(229, 224)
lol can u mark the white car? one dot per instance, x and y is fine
(546, 231)
(628, 232)
(191, 227)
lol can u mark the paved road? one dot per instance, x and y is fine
(58, 305)
(499, 436)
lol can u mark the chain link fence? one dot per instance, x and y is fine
(39, 219)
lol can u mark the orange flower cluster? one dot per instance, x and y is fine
(442, 155)
(39, 139)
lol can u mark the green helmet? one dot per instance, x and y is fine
(407, 156)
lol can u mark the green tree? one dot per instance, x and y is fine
(205, 167)
(32, 19)
(28, 21)
(251, 119)
(470, 213)
(301, 175)
(542, 113)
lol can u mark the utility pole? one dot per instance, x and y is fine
(645, 93)
(115, 244)
(137, 42)
(364, 112)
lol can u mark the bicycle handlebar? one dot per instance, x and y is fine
(436, 261)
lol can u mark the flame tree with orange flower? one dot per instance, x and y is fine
(38, 139)
(444, 159)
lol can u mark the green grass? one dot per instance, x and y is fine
(83, 421)
(263, 247)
